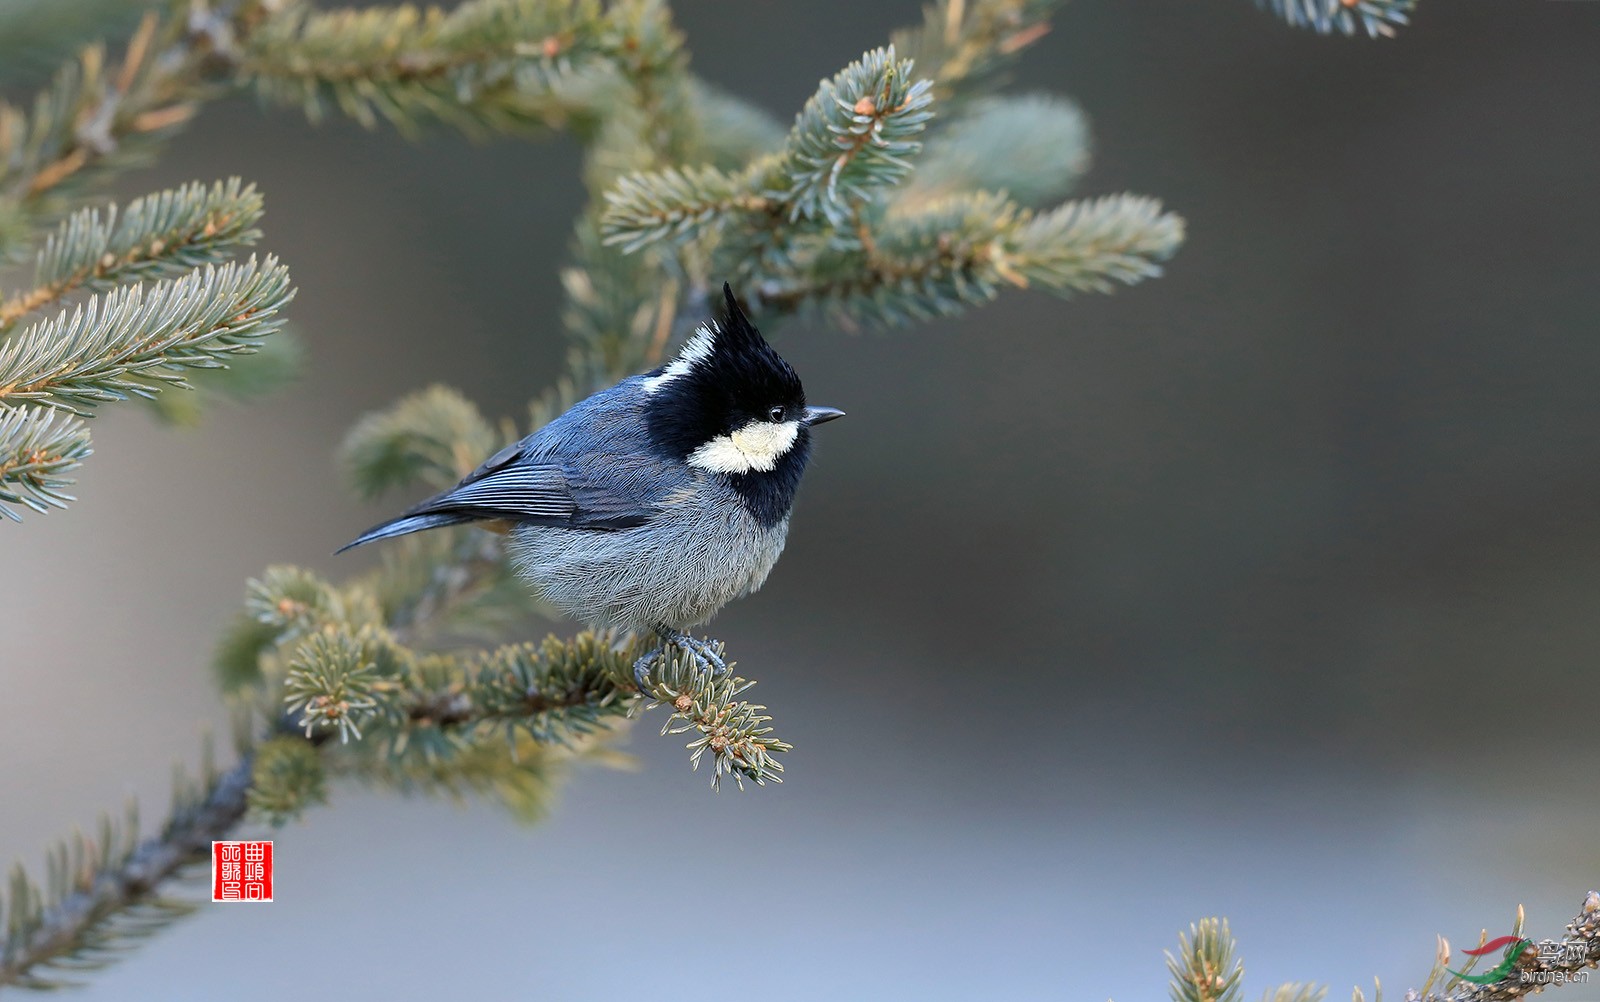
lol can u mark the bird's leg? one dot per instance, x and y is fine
(704, 654)
(703, 651)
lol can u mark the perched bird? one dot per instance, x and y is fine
(651, 505)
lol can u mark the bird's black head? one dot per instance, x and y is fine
(730, 404)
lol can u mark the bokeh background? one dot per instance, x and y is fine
(1267, 589)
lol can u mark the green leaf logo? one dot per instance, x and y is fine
(1514, 947)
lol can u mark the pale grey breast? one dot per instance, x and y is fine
(702, 551)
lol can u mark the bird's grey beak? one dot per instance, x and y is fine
(817, 415)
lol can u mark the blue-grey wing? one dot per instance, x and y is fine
(588, 469)
(522, 489)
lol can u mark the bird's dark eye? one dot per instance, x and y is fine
(776, 414)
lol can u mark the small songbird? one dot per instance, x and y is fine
(651, 505)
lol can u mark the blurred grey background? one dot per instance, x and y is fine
(1267, 589)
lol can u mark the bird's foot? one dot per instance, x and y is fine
(643, 667)
(703, 652)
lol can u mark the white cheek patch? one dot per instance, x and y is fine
(757, 446)
(694, 350)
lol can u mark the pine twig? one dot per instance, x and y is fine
(433, 437)
(1205, 968)
(963, 45)
(940, 259)
(1045, 140)
(158, 236)
(133, 341)
(735, 732)
(39, 446)
(97, 116)
(853, 136)
(484, 67)
(99, 886)
(1378, 18)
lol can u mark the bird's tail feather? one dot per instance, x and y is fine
(408, 524)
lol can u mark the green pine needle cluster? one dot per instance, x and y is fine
(133, 301)
(135, 340)
(733, 731)
(853, 136)
(838, 225)
(160, 236)
(431, 438)
(483, 67)
(39, 448)
(1046, 139)
(965, 46)
(287, 779)
(1205, 969)
(103, 893)
(1377, 18)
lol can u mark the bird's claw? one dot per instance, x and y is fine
(703, 652)
(643, 667)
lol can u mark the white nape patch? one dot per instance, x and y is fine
(697, 348)
(757, 446)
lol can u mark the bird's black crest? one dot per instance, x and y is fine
(708, 392)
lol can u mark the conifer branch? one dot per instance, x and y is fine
(962, 45)
(105, 892)
(1378, 18)
(959, 251)
(825, 241)
(554, 691)
(441, 723)
(287, 778)
(852, 136)
(519, 774)
(734, 731)
(676, 203)
(1045, 140)
(350, 677)
(135, 341)
(39, 446)
(485, 66)
(734, 131)
(363, 686)
(434, 437)
(1085, 246)
(158, 236)
(1205, 969)
(96, 116)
